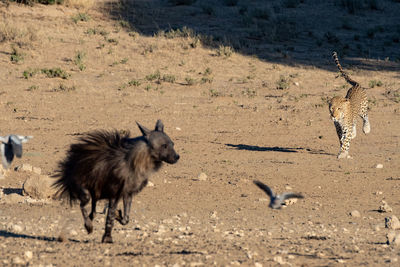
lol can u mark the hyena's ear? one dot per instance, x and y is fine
(144, 130)
(159, 126)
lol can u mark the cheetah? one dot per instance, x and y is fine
(344, 111)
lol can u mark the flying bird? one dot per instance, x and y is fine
(11, 145)
(276, 201)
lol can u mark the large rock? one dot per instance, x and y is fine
(392, 222)
(39, 186)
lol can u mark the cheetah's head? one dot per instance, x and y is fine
(339, 107)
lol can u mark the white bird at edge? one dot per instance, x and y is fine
(11, 145)
(276, 201)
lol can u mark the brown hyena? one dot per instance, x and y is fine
(108, 165)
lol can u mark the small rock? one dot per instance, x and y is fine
(279, 260)
(178, 129)
(355, 213)
(384, 207)
(288, 187)
(73, 232)
(150, 184)
(16, 228)
(39, 186)
(37, 170)
(390, 237)
(379, 166)
(202, 177)
(296, 83)
(25, 167)
(213, 215)
(28, 255)
(257, 264)
(14, 198)
(2, 172)
(392, 222)
(17, 261)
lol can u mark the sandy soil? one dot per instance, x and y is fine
(228, 120)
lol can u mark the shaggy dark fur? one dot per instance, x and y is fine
(106, 165)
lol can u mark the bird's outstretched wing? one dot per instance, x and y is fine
(16, 145)
(291, 195)
(11, 146)
(264, 187)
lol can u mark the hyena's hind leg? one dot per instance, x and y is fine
(84, 197)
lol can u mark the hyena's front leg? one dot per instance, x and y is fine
(127, 199)
(110, 221)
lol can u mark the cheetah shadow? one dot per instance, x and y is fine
(7, 234)
(279, 149)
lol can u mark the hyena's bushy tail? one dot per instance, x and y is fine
(344, 74)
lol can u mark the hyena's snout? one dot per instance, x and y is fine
(173, 158)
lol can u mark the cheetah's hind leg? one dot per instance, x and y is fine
(366, 125)
(354, 131)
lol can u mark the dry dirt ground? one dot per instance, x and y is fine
(229, 120)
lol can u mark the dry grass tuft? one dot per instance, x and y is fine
(80, 4)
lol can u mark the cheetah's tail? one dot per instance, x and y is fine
(344, 74)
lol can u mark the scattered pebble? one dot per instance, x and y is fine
(178, 129)
(355, 213)
(150, 184)
(202, 177)
(392, 222)
(379, 166)
(384, 207)
(393, 238)
(18, 261)
(28, 255)
(279, 260)
(73, 232)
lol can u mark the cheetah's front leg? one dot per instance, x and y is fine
(345, 145)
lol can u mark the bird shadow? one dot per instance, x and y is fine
(9, 191)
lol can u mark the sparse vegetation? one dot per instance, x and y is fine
(32, 88)
(154, 76)
(393, 95)
(80, 17)
(283, 83)
(55, 73)
(374, 83)
(168, 78)
(78, 60)
(214, 93)
(99, 31)
(16, 55)
(190, 81)
(30, 73)
(225, 51)
(63, 88)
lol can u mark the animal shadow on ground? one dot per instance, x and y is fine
(7, 234)
(278, 149)
(9, 191)
(260, 148)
